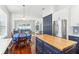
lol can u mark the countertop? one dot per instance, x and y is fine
(59, 43)
(77, 35)
(4, 44)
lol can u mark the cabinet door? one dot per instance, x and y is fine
(39, 42)
(74, 38)
(39, 46)
(39, 49)
(50, 49)
(47, 24)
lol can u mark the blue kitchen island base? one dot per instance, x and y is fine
(44, 48)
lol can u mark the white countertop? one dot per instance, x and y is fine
(4, 44)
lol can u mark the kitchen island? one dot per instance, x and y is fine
(49, 44)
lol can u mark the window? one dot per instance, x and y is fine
(25, 26)
(3, 24)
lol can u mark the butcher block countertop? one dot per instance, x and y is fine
(57, 42)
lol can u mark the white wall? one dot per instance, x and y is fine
(75, 15)
(28, 18)
(71, 13)
(59, 13)
(31, 22)
(47, 11)
(62, 14)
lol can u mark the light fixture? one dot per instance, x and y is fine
(24, 17)
(42, 12)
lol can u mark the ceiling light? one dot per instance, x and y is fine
(24, 17)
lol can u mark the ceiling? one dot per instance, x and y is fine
(30, 10)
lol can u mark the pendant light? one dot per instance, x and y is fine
(24, 17)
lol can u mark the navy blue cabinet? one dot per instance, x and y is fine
(47, 24)
(45, 48)
(74, 38)
(51, 50)
(39, 46)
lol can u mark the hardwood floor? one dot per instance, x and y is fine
(22, 50)
(25, 50)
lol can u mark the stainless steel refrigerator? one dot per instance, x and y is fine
(60, 28)
(64, 28)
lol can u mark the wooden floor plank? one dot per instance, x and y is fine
(22, 50)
